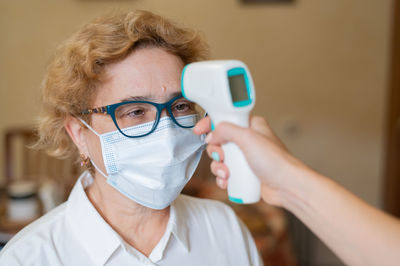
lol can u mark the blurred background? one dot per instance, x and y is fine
(324, 77)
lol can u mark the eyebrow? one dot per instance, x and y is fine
(147, 98)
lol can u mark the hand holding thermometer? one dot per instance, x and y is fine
(225, 90)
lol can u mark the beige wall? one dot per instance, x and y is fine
(320, 69)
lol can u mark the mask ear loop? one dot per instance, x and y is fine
(89, 127)
(98, 169)
(97, 134)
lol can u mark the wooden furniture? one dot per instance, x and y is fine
(392, 164)
(25, 163)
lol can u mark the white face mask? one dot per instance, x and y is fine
(151, 170)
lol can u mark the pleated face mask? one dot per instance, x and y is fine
(151, 170)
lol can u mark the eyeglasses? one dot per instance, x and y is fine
(132, 113)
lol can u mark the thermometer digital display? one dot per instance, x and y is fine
(238, 88)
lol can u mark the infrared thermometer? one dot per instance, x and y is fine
(225, 90)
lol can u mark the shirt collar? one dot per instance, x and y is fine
(178, 228)
(96, 236)
(178, 219)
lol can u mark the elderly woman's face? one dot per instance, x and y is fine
(149, 72)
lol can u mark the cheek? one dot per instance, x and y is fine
(94, 148)
(102, 124)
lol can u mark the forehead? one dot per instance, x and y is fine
(148, 72)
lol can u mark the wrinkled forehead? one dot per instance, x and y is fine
(149, 72)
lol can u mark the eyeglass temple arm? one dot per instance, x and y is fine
(98, 110)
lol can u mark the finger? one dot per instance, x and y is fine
(203, 126)
(222, 183)
(215, 152)
(219, 169)
(227, 132)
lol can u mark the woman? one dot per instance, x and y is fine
(113, 93)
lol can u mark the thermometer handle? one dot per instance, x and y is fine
(243, 185)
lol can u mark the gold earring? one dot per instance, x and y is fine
(84, 160)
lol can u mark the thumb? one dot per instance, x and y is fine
(258, 124)
(261, 126)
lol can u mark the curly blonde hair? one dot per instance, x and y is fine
(77, 68)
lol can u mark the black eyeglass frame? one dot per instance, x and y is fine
(110, 110)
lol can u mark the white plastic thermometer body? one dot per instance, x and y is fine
(225, 89)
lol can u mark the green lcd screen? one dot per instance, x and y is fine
(237, 85)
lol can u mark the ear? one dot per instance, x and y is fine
(77, 132)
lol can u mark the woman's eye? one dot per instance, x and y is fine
(182, 107)
(135, 113)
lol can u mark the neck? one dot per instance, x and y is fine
(139, 226)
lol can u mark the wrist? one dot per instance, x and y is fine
(297, 185)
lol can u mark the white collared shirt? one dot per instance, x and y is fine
(199, 232)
